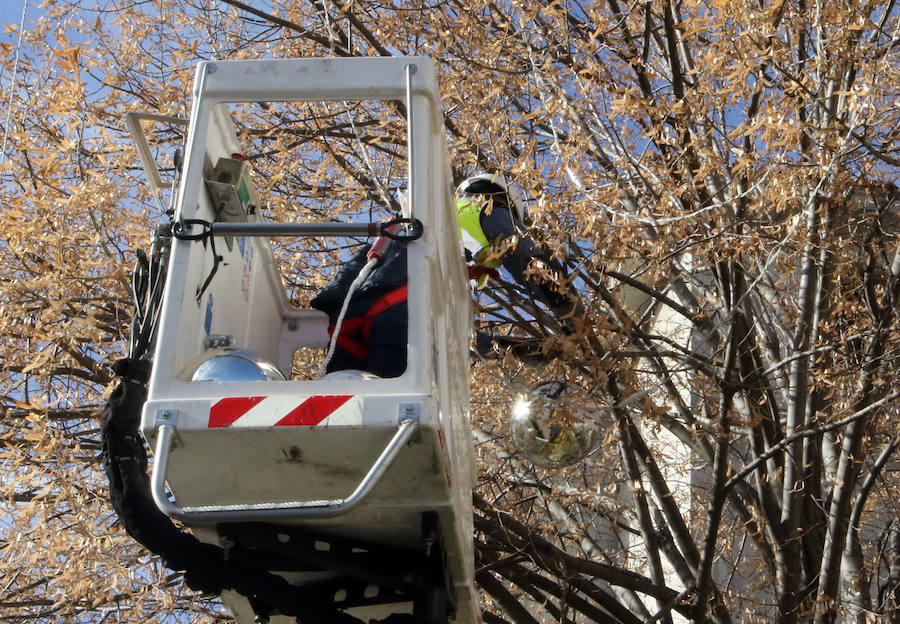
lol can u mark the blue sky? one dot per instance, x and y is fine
(11, 11)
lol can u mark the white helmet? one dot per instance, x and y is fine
(493, 184)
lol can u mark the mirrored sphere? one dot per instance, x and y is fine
(227, 365)
(553, 428)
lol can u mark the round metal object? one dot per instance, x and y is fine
(552, 428)
(227, 365)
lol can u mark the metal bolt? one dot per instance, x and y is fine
(166, 416)
(409, 411)
(211, 69)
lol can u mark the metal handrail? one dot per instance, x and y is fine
(209, 514)
(221, 228)
(410, 156)
(184, 230)
(148, 163)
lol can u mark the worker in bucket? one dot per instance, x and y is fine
(373, 329)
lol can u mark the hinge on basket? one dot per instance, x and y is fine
(166, 417)
(409, 411)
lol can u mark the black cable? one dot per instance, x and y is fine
(148, 279)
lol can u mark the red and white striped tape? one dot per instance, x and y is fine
(282, 410)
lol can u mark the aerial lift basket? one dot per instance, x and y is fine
(358, 486)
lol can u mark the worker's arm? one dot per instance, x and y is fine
(499, 226)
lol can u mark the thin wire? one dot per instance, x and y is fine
(12, 85)
(365, 154)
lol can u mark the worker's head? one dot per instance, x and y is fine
(492, 188)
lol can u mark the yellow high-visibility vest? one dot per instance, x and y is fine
(468, 218)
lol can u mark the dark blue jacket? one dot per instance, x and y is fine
(498, 226)
(389, 275)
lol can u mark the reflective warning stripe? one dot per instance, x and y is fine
(282, 410)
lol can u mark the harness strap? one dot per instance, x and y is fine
(354, 335)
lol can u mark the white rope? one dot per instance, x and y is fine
(12, 85)
(363, 275)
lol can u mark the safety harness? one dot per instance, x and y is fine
(346, 332)
(354, 333)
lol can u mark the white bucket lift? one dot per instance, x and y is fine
(326, 476)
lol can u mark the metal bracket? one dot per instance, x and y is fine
(169, 418)
(409, 412)
(166, 417)
(217, 341)
(148, 163)
(360, 572)
(436, 600)
(300, 549)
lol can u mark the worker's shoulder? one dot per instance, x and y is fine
(497, 222)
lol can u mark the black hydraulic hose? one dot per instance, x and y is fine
(125, 464)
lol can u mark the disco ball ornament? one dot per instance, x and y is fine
(553, 427)
(230, 364)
